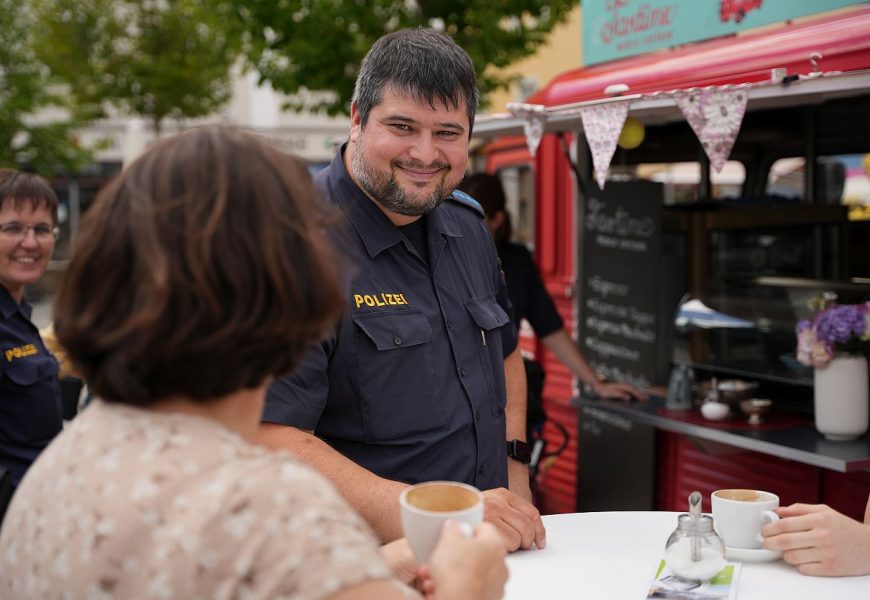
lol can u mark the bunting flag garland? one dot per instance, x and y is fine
(533, 122)
(602, 124)
(715, 115)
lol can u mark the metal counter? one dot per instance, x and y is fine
(802, 444)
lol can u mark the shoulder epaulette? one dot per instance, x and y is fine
(467, 201)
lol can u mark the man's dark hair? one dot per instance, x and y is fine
(200, 270)
(27, 189)
(424, 63)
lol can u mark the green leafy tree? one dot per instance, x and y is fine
(302, 45)
(37, 125)
(156, 59)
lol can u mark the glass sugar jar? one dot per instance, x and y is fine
(694, 550)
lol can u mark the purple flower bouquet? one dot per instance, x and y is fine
(836, 328)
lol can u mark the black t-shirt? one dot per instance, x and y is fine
(416, 234)
(526, 290)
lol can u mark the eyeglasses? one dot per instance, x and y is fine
(13, 230)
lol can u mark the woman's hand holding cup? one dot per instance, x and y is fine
(820, 541)
(461, 556)
(463, 567)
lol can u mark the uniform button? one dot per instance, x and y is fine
(462, 372)
(397, 340)
(449, 325)
(480, 470)
(477, 415)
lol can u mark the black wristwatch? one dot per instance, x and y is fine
(519, 451)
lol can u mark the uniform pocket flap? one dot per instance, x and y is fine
(395, 330)
(24, 372)
(487, 313)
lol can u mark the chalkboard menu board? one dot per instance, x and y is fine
(621, 265)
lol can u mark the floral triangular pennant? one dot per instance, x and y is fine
(715, 115)
(533, 122)
(602, 124)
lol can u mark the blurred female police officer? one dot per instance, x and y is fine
(30, 413)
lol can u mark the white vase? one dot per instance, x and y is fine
(841, 401)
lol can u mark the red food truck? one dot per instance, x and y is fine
(777, 209)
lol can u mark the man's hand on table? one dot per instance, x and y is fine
(820, 541)
(517, 520)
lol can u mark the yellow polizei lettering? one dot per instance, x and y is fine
(379, 299)
(21, 352)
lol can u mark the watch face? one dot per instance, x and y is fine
(520, 451)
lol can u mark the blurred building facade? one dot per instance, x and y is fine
(563, 51)
(120, 139)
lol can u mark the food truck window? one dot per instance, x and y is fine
(840, 179)
(519, 190)
(682, 180)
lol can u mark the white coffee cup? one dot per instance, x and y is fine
(427, 506)
(739, 515)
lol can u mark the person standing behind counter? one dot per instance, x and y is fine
(30, 411)
(528, 294)
(200, 273)
(422, 378)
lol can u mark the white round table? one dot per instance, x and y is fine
(613, 555)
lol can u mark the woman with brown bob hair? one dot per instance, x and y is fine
(202, 272)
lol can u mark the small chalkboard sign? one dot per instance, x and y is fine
(621, 265)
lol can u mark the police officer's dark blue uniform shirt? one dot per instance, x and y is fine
(411, 386)
(30, 409)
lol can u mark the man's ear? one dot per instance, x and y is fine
(355, 123)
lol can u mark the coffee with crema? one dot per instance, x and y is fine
(442, 498)
(742, 495)
(426, 506)
(739, 515)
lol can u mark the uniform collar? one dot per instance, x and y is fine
(376, 230)
(8, 305)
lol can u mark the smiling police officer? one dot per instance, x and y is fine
(422, 379)
(30, 409)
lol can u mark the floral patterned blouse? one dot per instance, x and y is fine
(132, 503)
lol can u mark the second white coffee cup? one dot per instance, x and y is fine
(740, 514)
(427, 506)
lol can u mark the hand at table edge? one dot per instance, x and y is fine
(517, 520)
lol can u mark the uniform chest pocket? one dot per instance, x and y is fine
(398, 387)
(490, 317)
(27, 371)
(487, 313)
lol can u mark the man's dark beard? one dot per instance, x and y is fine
(392, 197)
(389, 193)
